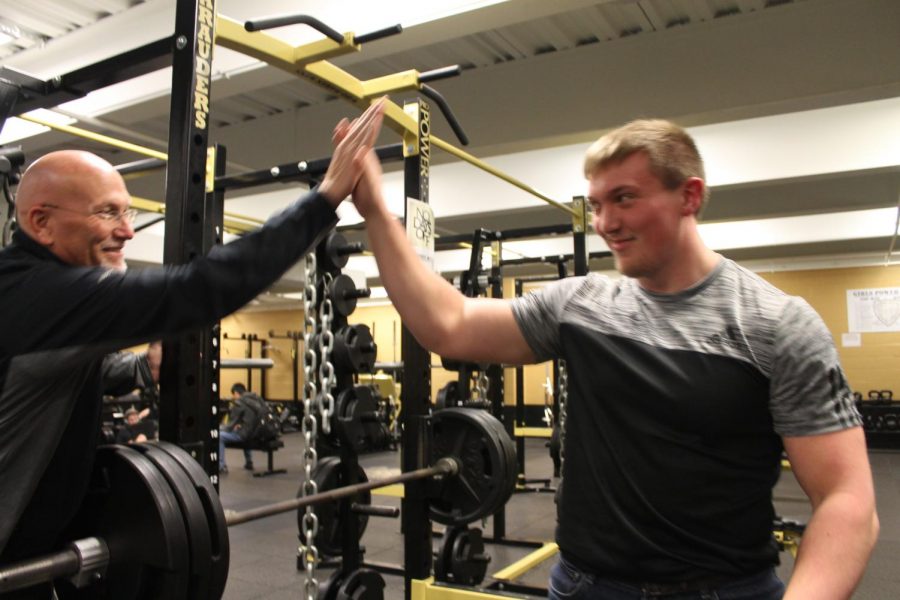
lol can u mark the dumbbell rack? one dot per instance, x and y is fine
(881, 418)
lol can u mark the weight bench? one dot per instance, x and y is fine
(269, 448)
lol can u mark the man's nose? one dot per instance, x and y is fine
(124, 229)
(606, 220)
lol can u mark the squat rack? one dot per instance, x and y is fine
(194, 207)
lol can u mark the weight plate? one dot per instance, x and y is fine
(328, 476)
(341, 287)
(199, 544)
(354, 349)
(220, 553)
(510, 465)
(468, 562)
(130, 504)
(483, 483)
(447, 396)
(362, 584)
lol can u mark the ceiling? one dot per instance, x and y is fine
(536, 77)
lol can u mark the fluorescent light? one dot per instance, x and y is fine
(18, 129)
(9, 33)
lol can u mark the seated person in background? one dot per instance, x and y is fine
(135, 429)
(124, 372)
(242, 422)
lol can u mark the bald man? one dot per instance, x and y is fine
(66, 300)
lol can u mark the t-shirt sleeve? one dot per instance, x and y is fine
(810, 394)
(539, 315)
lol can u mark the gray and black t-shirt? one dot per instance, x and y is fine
(676, 408)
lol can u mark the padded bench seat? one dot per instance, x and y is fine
(269, 448)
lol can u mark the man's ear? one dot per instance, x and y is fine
(38, 225)
(692, 198)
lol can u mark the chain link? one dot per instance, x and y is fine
(563, 401)
(327, 380)
(482, 384)
(310, 523)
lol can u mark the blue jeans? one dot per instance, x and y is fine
(567, 582)
(230, 436)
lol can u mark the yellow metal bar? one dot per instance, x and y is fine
(451, 149)
(526, 563)
(97, 137)
(396, 82)
(426, 589)
(308, 61)
(395, 491)
(533, 432)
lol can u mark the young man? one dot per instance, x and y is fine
(687, 378)
(66, 301)
(242, 421)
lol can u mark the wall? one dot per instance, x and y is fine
(873, 365)
(876, 363)
(279, 379)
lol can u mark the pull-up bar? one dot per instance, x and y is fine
(310, 62)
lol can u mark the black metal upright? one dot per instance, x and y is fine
(416, 390)
(579, 232)
(186, 412)
(496, 391)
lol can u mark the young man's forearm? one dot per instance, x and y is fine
(834, 550)
(428, 304)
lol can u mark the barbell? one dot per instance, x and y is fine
(152, 525)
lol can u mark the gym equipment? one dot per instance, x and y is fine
(328, 477)
(334, 254)
(344, 294)
(360, 584)
(448, 396)
(461, 558)
(354, 349)
(152, 525)
(487, 472)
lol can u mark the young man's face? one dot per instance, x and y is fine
(639, 219)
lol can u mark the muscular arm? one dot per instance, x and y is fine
(438, 315)
(833, 470)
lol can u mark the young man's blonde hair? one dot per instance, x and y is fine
(671, 151)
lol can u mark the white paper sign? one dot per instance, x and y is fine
(851, 340)
(420, 229)
(873, 310)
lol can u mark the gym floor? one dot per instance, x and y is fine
(263, 553)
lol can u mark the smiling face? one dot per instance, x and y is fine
(639, 218)
(64, 197)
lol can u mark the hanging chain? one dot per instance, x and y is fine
(309, 554)
(563, 401)
(482, 383)
(327, 379)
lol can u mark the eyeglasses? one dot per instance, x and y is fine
(108, 214)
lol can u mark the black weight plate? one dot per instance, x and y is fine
(468, 562)
(362, 584)
(215, 516)
(482, 483)
(510, 466)
(328, 476)
(447, 396)
(194, 516)
(341, 286)
(131, 506)
(354, 349)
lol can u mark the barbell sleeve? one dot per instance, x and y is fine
(27, 573)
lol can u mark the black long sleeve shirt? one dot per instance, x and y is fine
(58, 321)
